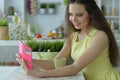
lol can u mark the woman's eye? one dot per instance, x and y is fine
(70, 14)
(79, 15)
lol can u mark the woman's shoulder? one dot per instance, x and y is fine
(101, 35)
(71, 36)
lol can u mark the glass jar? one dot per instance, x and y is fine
(114, 10)
(0, 14)
(16, 18)
(108, 11)
(11, 10)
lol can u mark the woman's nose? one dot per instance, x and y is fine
(74, 19)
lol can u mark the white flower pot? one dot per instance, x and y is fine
(51, 11)
(42, 11)
(44, 55)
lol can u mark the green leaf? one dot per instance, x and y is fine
(44, 46)
(3, 22)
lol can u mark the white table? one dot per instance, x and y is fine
(16, 73)
(5, 71)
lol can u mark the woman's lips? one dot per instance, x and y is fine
(76, 24)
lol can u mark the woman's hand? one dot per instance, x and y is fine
(18, 59)
(35, 70)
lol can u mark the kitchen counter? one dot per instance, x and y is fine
(16, 73)
(15, 42)
(8, 42)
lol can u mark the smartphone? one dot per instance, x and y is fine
(25, 53)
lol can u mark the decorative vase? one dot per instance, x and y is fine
(51, 11)
(42, 11)
(44, 55)
(4, 32)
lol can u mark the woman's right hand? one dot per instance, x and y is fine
(18, 58)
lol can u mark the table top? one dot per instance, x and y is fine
(17, 73)
(6, 71)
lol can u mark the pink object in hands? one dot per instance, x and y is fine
(25, 53)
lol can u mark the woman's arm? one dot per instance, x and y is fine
(43, 64)
(49, 64)
(94, 50)
(66, 49)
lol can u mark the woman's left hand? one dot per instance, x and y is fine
(35, 71)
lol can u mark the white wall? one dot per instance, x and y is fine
(2, 6)
(48, 22)
(45, 22)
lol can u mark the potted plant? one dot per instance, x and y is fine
(4, 33)
(45, 49)
(65, 2)
(43, 7)
(51, 8)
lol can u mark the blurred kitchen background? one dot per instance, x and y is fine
(30, 17)
(38, 20)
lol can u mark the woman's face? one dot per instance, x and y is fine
(78, 16)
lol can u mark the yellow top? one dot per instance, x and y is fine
(100, 68)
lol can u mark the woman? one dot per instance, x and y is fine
(89, 41)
